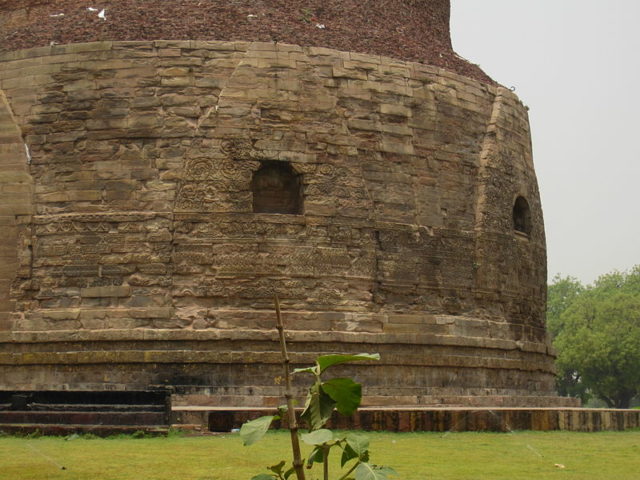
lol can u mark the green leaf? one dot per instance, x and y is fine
(325, 361)
(306, 370)
(339, 437)
(347, 455)
(366, 471)
(277, 469)
(254, 430)
(317, 437)
(357, 446)
(263, 476)
(289, 472)
(359, 443)
(345, 392)
(318, 408)
(316, 456)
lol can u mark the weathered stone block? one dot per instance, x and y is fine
(111, 291)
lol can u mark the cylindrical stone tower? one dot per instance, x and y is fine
(167, 167)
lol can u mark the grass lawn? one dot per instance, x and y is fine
(416, 456)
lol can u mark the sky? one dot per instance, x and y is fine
(576, 64)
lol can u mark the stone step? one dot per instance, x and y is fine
(70, 397)
(83, 418)
(368, 392)
(401, 399)
(66, 407)
(62, 430)
(470, 401)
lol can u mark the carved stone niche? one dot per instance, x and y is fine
(276, 188)
(522, 216)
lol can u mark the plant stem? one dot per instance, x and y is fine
(350, 470)
(325, 461)
(298, 464)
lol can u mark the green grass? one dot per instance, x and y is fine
(416, 456)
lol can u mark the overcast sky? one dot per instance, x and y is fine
(576, 64)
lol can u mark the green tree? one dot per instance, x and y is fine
(561, 294)
(597, 336)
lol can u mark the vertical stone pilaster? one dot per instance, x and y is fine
(15, 202)
(516, 272)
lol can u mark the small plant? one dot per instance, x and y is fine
(177, 433)
(35, 434)
(307, 15)
(323, 397)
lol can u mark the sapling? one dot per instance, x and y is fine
(323, 397)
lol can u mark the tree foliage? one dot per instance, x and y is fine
(596, 332)
(560, 295)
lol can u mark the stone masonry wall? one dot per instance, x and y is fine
(15, 208)
(149, 266)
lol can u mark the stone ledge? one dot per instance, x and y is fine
(371, 339)
(436, 361)
(112, 50)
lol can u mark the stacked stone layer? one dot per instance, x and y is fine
(137, 259)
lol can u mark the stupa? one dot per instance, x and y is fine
(167, 167)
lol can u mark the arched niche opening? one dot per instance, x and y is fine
(522, 216)
(276, 188)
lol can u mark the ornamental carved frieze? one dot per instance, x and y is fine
(217, 169)
(215, 185)
(238, 148)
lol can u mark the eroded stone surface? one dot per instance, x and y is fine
(150, 267)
